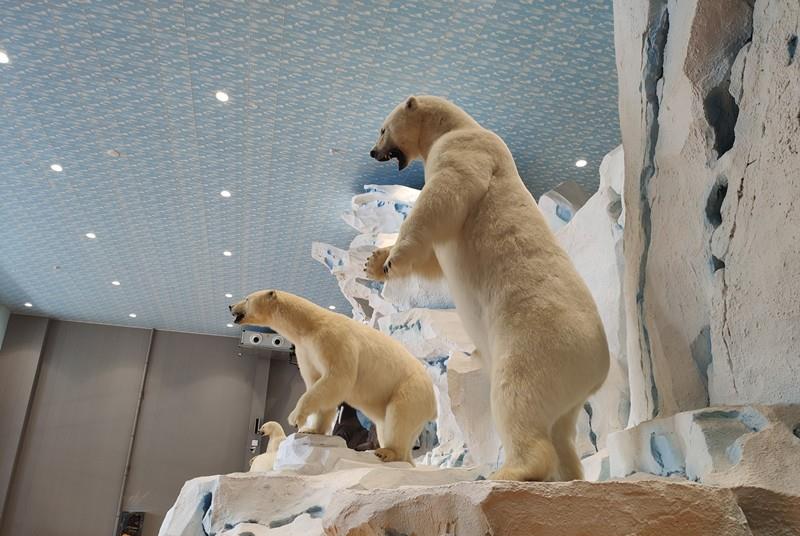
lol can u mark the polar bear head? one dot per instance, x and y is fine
(255, 309)
(414, 125)
(399, 136)
(272, 429)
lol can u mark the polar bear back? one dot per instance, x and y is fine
(382, 366)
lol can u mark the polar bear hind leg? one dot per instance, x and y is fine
(563, 434)
(401, 428)
(523, 422)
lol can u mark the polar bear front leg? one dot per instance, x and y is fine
(325, 394)
(439, 213)
(427, 267)
(319, 402)
(320, 422)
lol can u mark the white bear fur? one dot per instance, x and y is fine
(515, 289)
(342, 360)
(275, 436)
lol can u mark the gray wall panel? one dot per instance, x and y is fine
(285, 388)
(194, 419)
(73, 450)
(19, 363)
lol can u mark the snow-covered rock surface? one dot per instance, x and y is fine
(284, 503)
(313, 454)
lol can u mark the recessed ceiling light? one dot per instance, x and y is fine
(229, 325)
(115, 283)
(225, 193)
(132, 315)
(581, 163)
(56, 167)
(228, 295)
(332, 307)
(3, 57)
(91, 236)
(222, 96)
(28, 304)
(227, 253)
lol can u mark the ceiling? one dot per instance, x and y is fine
(122, 97)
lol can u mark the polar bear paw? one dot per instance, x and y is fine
(375, 268)
(297, 417)
(386, 455)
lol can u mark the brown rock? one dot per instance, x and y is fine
(769, 513)
(577, 508)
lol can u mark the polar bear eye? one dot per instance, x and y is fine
(383, 131)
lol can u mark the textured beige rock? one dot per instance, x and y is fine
(541, 509)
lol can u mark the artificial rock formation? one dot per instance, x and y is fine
(710, 123)
(744, 446)
(309, 471)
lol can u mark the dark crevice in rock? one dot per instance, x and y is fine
(717, 263)
(653, 73)
(714, 202)
(796, 430)
(587, 407)
(702, 356)
(205, 506)
(721, 113)
(726, 329)
(791, 48)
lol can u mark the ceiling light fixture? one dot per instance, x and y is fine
(56, 167)
(115, 283)
(228, 295)
(28, 304)
(3, 57)
(581, 163)
(229, 325)
(225, 193)
(227, 253)
(332, 307)
(222, 96)
(91, 236)
(132, 315)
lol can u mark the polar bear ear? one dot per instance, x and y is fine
(271, 295)
(411, 103)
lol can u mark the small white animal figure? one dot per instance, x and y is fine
(342, 360)
(516, 291)
(275, 434)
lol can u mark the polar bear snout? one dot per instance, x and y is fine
(237, 311)
(387, 154)
(380, 156)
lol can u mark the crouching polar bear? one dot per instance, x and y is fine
(516, 291)
(342, 360)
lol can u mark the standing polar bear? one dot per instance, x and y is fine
(518, 295)
(342, 360)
